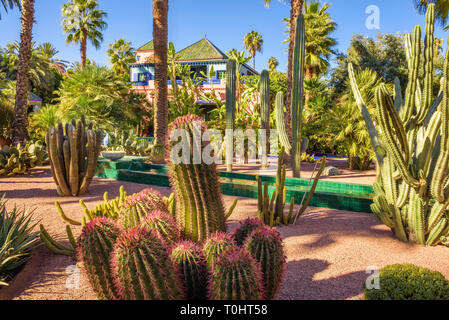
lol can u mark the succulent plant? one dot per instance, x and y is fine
(236, 276)
(265, 245)
(164, 225)
(190, 261)
(231, 87)
(215, 246)
(142, 267)
(19, 160)
(265, 106)
(95, 245)
(245, 229)
(73, 151)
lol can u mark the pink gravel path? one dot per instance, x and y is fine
(328, 251)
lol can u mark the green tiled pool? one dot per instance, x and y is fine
(335, 195)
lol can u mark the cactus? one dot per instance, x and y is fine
(271, 209)
(297, 105)
(18, 160)
(280, 123)
(245, 229)
(189, 259)
(215, 246)
(265, 245)
(265, 104)
(412, 151)
(142, 267)
(236, 276)
(231, 87)
(199, 205)
(73, 164)
(94, 249)
(164, 225)
(138, 206)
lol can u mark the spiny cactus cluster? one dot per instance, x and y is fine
(73, 150)
(18, 160)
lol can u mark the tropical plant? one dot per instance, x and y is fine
(9, 3)
(19, 160)
(6, 119)
(121, 54)
(412, 146)
(20, 124)
(273, 63)
(160, 36)
(17, 239)
(47, 116)
(253, 42)
(83, 21)
(441, 10)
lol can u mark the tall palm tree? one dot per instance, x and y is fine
(20, 124)
(253, 42)
(121, 54)
(273, 63)
(441, 10)
(83, 21)
(295, 9)
(9, 3)
(160, 37)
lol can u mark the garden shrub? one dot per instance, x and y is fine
(409, 282)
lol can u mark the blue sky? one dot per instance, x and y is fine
(224, 22)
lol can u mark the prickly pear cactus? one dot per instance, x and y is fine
(19, 160)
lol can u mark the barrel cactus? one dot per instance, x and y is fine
(215, 246)
(189, 259)
(245, 229)
(411, 143)
(142, 267)
(236, 276)
(73, 151)
(265, 245)
(164, 225)
(94, 249)
(199, 205)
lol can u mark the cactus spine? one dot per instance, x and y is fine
(199, 206)
(231, 87)
(265, 104)
(216, 246)
(245, 229)
(265, 245)
(142, 267)
(280, 123)
(73, 156)
(94, 249)
(236, 276)
(412, 190)
(298, 94)
(190, 261)
(164, 225)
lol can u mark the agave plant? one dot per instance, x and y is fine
(17, 239)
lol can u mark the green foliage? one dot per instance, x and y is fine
(18, 160)
(121, 54)
(6, 118)
(17, 239)
(253, 42)
(41, 121)
(409, 282)
(130, 144)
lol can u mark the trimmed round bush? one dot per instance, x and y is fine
(409, 282)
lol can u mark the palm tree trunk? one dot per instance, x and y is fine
(20, 124)
(160, 36)
(83, 48)
(254, 62)
(296, 8)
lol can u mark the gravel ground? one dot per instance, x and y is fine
(328, 251)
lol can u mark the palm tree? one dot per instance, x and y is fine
(47, 51)
(20, 124)
(121, 54)
(441, 9)
(9, 3)
(83, 21)
(273, 63)
(160, 36)
(253, 43)
(295, 9)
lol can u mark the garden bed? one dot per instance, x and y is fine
(328, 252)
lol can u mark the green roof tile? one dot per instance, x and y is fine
(201, 50)
(147, 46)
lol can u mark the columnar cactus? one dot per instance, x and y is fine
(236, 276)
(215, 246)
(298, 94)
(142, 267)
(280, 123)
(199, 205)
(94, 249)
(265, 105)
(231, 87)
(265, 245)
(138, 206)
(164, 225)
(245, 229)
(73, 154)
(188, 258)
(412, 146)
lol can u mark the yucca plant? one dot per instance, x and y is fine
(17, 239)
